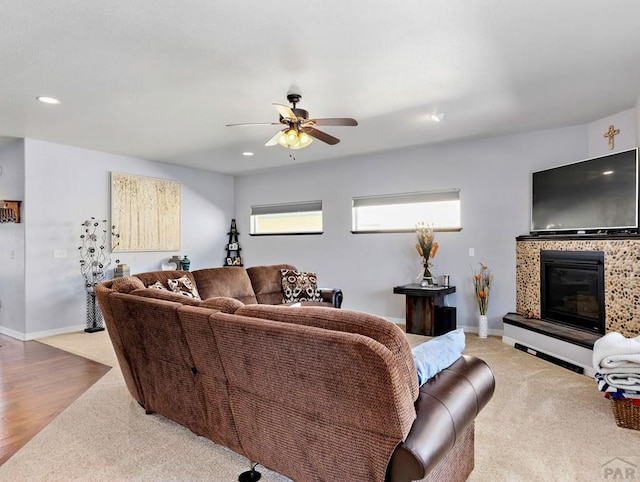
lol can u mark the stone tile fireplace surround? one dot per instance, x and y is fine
(621, 278)
(621, 284)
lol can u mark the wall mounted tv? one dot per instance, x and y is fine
(597, 195)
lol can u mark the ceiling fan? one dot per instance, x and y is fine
(299, 131)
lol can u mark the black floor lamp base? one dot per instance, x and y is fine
(95, 320)
(250, 476)
(93, 330)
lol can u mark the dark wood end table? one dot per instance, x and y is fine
(425, 313)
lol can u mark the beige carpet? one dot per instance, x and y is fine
(543, 423)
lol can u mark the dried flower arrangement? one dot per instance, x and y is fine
(426, 248)
(482, 283)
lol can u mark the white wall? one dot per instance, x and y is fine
(66, 185)
(12, 282)
(637, 120)
(494, 178)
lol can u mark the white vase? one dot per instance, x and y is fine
(482, 326)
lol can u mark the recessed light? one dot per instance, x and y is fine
(606, 173)
(247, 154)
(435, 117)
(48, 100)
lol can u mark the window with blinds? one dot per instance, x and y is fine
(287, 218)
(401, 212)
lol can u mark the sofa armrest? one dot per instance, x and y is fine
(447, 404)
(332, 295)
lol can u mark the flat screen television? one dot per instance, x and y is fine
(597, 195)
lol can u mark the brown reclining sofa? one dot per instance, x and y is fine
(312, 392)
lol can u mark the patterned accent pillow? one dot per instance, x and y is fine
(157, 286)
(183, 286)
(299, 286)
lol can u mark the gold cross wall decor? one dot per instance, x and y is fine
(610, 134)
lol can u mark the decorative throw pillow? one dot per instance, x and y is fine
(157, 286)
(126, 284)
(299, 286)
(184, 286)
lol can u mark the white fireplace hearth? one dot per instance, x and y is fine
(565, 346)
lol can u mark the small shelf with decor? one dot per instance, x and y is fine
(9, 211)
(233, 247)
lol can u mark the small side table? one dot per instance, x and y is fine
(426, 313)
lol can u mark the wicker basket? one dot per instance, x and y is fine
(627, 414)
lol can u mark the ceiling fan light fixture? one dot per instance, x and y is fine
(282, 139)
(305, 139)
(293, 139)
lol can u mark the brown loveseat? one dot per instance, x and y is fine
(313, 393)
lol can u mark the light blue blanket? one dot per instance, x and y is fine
(436, 354)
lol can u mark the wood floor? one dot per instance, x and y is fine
(37, 382)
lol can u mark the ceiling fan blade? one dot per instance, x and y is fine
(286, 112)
(254, 124)
(321, 136)
(334, 121)
(274, 140)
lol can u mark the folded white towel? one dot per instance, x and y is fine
(613, 350)
(632, 368)
(615, 361)
(624, 381)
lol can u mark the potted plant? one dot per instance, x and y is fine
(482, 280)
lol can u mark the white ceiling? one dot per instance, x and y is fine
(159, 79)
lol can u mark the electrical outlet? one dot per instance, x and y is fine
(59, 253)
(472, 252)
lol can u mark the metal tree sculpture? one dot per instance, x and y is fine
(95, 258)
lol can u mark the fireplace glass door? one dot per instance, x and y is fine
(572, 288)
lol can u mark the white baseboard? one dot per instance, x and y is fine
(397, 321)
(466, 329)
(474, 329)
(40, 334)
(12, 333)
